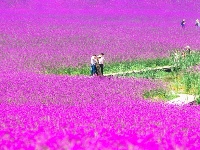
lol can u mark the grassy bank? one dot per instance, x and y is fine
(182, 81)
(178, 80)
(124, 66)
(112, 67)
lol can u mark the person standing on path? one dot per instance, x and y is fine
(101, 62)
(98, 68)
(183, 22)
(93, 64)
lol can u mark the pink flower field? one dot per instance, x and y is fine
(61, 112)
(40, 111)
(39, 37)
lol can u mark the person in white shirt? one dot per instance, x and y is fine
(101, 62)
(93, 64)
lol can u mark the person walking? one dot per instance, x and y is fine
(93, 64)
(197, 24)
(101, 62)
(183, 22)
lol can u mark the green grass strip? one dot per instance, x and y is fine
(115, 67)
(159, 94)
(112, 67)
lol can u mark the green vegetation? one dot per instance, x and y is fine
(179, 79)
(180, 82)
(112, 67)
(153, 74)
(198, 99)
(189, 60)
(159, 94)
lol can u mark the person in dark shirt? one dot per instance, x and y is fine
(98, 68)
(183, 22)
(101, 62)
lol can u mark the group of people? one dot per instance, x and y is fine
(97, 64)
(183, 23)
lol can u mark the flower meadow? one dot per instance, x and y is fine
(40, 111)
(63, 112)
(40, 38)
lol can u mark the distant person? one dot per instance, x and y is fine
(188, 49)
(93, 64)
(183, 22)
(101, 62)
(197, 24)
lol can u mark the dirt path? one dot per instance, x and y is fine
(138, 71)
(182, 99)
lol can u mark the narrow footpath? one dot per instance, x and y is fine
(139, 71)
(182, 99)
